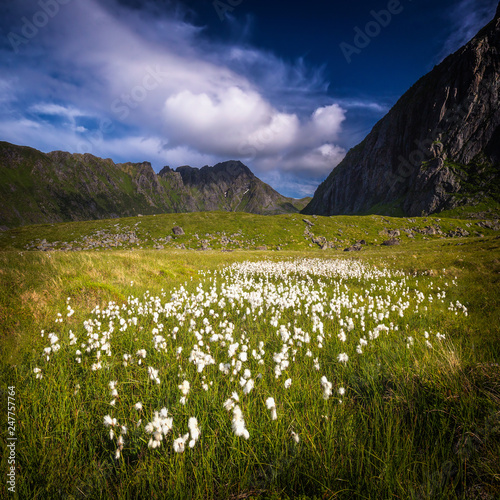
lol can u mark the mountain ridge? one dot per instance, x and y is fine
(58, 186)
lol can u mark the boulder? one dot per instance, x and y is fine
(391, 242)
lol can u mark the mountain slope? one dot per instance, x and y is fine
(38, 187)
(436, 149)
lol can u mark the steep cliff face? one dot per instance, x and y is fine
(437, 148)
(36, 187)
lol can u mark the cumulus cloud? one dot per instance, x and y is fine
(113, 81)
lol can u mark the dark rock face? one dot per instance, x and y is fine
(437, 148)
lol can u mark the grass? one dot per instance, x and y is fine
(414, 423)
(234, 231)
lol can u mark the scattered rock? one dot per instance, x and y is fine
(458, 233)
(308, 222)
(488, 224)
(391, 242)
(354, 248)
(263, 247)
(178, 231)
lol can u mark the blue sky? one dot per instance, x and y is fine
(286, 87)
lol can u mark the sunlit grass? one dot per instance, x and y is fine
(400, 416)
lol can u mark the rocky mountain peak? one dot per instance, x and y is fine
(437, 148)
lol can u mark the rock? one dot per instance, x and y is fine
(262, 247)
(320, 240)
(487, 224)
(178, 231)
(354, 248)
(308, 222)
(431, 230)
(458, 233)
(422, 153)
(391, 242)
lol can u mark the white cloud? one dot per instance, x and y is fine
(169, 94)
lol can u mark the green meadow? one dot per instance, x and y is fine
(272, 364)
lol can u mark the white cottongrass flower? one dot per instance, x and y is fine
(185, 387)
(248, 386)
(38, 372)
(108, 421)
(341, 391)
(327, 387)
(295, 436)
(288, 383)
(153, 374)
(271, 405)
(194, 430)
(343, 357)
(180, 443)
(160, 426)
(229, 404)
(138, 406)
(238, 423)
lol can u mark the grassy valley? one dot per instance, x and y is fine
(256, 351)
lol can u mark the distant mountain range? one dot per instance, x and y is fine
(38, 187)
(438, 147)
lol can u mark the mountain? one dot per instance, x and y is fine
(436, 149)
(38, 187)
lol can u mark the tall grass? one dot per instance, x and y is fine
(414, 422)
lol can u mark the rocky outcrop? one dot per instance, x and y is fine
(437, 148)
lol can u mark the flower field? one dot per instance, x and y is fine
(300, 377)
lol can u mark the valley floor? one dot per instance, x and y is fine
(381, 364)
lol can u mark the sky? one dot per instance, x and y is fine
(287, 87)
